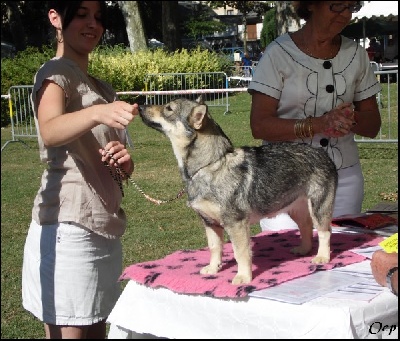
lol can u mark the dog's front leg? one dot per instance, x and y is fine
(240, 238)
(215, 239)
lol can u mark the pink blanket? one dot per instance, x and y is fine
(272, 264)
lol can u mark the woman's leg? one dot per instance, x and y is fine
(95, 331)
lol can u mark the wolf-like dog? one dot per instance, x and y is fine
(233, 188)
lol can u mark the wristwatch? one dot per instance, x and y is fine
(389, 279)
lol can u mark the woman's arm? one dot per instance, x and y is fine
(367, 117)
(266, 125)
(58, 128)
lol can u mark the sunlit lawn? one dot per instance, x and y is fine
(153, 231)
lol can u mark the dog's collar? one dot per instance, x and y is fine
(190, 177)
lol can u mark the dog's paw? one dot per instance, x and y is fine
(210, 270)
(320, 260)
(300, 250)
(241, 279)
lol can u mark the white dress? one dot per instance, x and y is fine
(307, 86)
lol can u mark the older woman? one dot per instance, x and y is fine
(315, 86)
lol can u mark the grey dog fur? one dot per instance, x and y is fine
(232, 188)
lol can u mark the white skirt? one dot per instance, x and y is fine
(348, 200)
(70, 274)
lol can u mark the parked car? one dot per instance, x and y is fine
(155, 44)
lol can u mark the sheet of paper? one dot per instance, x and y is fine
(366, 252)
(390, 244)
(384, 231)
(304, 289)
(362, 291)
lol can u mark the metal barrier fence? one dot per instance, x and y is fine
(22, 118)
(164, 82)
(162, 90)
(21, 113)
(388, 106)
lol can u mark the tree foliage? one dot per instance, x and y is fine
(25, 23)
(202, 22)
(268, 32)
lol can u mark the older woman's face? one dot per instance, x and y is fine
(332, 17)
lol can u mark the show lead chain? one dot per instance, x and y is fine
(120, 173)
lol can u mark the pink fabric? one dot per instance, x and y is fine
(272, 264)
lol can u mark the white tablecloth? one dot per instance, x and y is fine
(146, 312)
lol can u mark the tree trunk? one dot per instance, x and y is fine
(284, 13)
(170, 25)
(134, 26)
(16, 26)
(244, 23)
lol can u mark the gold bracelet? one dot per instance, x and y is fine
(303, 128)
(310, 127)
(296, 128)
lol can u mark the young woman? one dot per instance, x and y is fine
(73, 254)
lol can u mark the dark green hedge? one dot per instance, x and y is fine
(125, 70)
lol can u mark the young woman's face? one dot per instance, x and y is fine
(85, 30)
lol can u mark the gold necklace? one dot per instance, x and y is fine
(331, 54)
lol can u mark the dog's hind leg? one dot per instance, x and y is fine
(215, 239)
(240, 237)
(321, 209)
(299, 213)
(322, 220)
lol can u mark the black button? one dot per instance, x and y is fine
(327, 64)
(330, 88)
(323, 142)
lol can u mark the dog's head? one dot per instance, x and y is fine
(180, 118)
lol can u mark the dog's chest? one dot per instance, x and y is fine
(208, 210)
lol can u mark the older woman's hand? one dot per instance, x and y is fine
(339, 121)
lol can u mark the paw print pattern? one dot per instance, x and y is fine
(180, 271)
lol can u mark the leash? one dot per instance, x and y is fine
(120, 172)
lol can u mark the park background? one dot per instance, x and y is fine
(153, 231)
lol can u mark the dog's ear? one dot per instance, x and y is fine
(200, 99)
(198, 117)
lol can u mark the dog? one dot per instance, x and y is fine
(233, 188)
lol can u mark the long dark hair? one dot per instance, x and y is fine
(68, 9)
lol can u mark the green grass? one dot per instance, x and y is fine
(153, 231)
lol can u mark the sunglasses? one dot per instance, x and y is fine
(339, 8)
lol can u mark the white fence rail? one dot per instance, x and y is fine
(160, 88)
(162, 83)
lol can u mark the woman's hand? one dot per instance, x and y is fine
(339, 121)
(115, 154)
(117, 114)
(381, 262)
